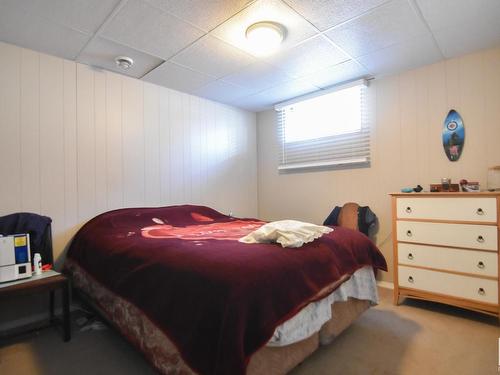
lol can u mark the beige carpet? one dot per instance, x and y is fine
(414, 338)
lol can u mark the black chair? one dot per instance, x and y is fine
(39, 229)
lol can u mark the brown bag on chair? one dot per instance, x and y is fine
(348, 216)
(353, 216)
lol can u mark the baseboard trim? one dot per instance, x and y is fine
(385, 284)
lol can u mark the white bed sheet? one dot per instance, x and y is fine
(362, 285)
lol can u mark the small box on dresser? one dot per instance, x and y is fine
(446, 248)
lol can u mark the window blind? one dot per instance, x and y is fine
(329, 129)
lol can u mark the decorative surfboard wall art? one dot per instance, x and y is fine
(453, 135)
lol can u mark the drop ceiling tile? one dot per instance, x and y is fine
(221, 92)
(455, 42)
(258, 77)
(389, 24)
(204, 14)
(281, 93)
(83, 15)
(417, 51)
(308, 57)
(143, 27)
(177, 77)
(252, 103)
(214, 57)
(30, 31)
(454, 13)
(233, 30)
(336, 74)
(101, 53)
(463, 26)
(327, 13)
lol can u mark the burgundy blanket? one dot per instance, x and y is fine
(217, 299)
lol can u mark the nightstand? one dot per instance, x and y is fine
(49, 281)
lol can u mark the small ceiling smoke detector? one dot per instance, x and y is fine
(124, 62)
(264, 37)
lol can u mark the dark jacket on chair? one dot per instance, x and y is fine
(37, 226)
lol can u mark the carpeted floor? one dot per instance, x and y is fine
(414, 338)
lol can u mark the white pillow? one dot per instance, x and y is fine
(288, 233)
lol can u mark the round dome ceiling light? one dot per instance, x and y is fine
(124, 62)
(265, 37)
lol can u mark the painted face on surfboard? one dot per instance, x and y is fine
(453, 135)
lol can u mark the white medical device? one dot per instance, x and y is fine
(15, 257)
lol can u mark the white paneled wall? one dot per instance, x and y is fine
(407, 113)
(76, 141)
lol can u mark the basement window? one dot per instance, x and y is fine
(325, 130)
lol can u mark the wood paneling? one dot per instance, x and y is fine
(52, 143)
(10, 129)
(164, 138)
(30, 131)
(85, 150)
(407, 112)
(70, 156)
(76, 141)
(101, 199)
(114, 149)
(133, 143)
(152, 186)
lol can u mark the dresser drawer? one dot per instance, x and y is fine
(483, 237)
(465, 209)
(471, 288)
(469, 261)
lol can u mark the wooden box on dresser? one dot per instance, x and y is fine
(446, 248)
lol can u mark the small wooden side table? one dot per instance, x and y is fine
(48, 281)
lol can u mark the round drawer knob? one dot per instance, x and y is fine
(408, 210)
(410, 256)
(410, 279)
(480, 265)
(480, 211)
(409, 233)
(481, 291)
(480, 239)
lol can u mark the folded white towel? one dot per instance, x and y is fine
(288, 233)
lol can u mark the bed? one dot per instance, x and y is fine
(179, 286)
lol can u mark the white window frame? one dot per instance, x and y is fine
(350, 150)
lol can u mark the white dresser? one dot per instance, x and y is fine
(446, 248)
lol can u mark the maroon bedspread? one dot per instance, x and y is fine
(217, 299)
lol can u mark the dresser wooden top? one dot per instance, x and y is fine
(448, 194)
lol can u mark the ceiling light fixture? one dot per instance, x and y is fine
(264, 37)
(124, 62)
